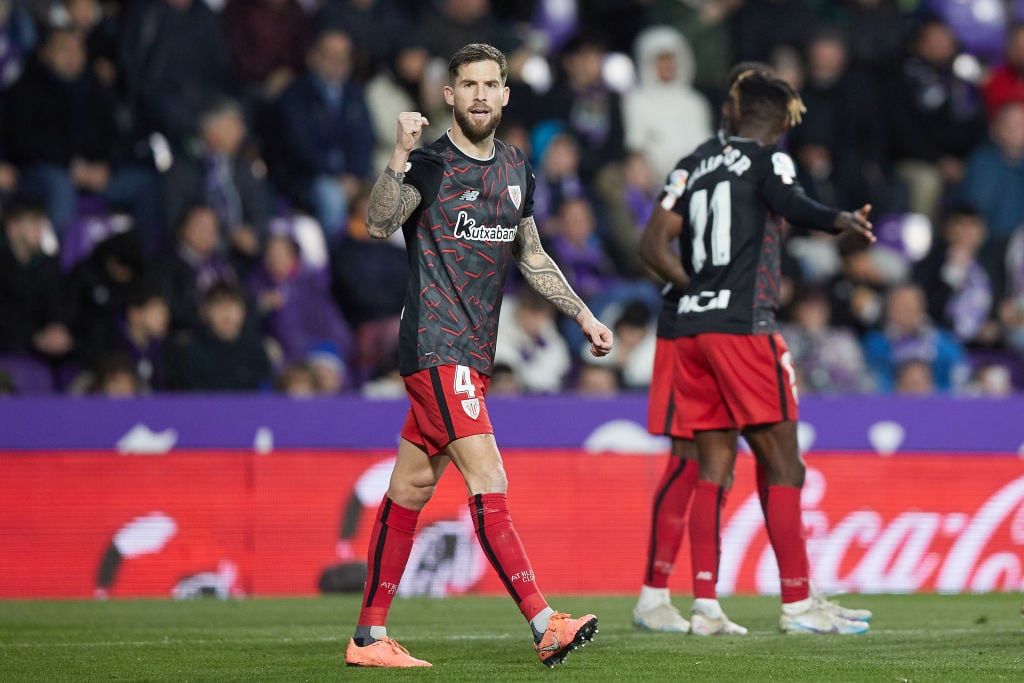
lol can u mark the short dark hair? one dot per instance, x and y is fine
(477, 52)
(765, 98)
(224, 291)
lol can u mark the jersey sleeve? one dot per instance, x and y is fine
(531, 184)
(425, 171)
(675, 185)
(784, 195)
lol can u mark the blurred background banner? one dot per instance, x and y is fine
(296, 522)
(878, 424)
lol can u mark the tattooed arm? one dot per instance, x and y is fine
(391, 200)
(544, 275)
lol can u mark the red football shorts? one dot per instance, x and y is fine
(727, 381)
(447, 403)
(662, 416)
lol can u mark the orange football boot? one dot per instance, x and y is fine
(564, 635)
(384, 652)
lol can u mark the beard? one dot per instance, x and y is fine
(477, 132)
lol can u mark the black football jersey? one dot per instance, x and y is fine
(459, 243)
(731, 188)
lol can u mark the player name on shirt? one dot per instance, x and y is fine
(733, 159)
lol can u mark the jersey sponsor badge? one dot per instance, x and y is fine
(470, 195)
(674, 188)
(515, 193)
(472, 407)
(783, 166)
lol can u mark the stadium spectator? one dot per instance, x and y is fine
(529, 342)
(995, 176)
(597, 381)
(267, 41)
(632, 360)
(34, 320)
(113, 375)
(218, 174)
(557, 179)
(175, 63)
(915, 378)
(934, 117)
(296, 380)
(761, 27)
(378, 29)
(329, 370)
(295, 303)
(855, 294)
(98, 289)
(99, 25)
(400, 86)
(62, 133)
(194, 265)
(839, 145)
(908, 334)
(504, 381)
(587, 107)
(142, 333)
(1011, 309)
(225, 353)
(961, 288)
(664, 61)
(1005, 82)
(826, 359)
(19, 36)
(707, 27)
(455, 23)
(577, 247)
(326, 134)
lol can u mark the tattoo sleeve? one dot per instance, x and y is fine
(391, 204)
(542, 273)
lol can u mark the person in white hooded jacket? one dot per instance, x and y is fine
(665, 116)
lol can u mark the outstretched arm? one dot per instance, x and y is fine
(544, 275)
(391, 200)
(663, 228)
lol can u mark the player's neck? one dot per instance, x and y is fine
(483, 150)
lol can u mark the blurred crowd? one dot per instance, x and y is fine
(183, 185)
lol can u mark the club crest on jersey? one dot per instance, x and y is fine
(467, 229)
(472, 407)
(515, 193)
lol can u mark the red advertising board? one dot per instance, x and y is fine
(242, 523)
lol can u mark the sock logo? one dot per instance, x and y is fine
(525, 576)
(704, 576)
(391, 588)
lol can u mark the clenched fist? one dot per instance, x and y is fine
(410, 126)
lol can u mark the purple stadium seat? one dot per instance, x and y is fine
(979, 25)
(30, 376)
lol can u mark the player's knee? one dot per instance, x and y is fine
(410, 495)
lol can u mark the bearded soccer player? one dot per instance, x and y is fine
(733, 371)
(465, 205)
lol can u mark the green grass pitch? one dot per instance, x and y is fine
(912, 638)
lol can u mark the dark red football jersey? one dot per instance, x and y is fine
(460, 246)
(731, 188)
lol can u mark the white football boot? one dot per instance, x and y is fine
(814, 616)
(662, 617)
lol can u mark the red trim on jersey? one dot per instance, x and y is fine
(444, 408)
(727, 381)
(662, 411)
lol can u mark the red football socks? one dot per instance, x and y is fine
(501, 545)
(705, 544)
(786, 531)
(668, 519)
(390, 545)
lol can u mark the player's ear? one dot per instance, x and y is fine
(504, 96)
(449, 96)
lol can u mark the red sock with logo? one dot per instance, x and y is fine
(668, 523)
(786, 532)
(505, 552)
(390, 545)
(705, 544)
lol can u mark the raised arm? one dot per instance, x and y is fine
(391, 200)
(544, 275)
(662, 229)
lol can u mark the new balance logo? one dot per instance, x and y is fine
(704, 576)
(470, 195)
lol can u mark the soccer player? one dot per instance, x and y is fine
(733, 371)
(654, 609)
(465, 205)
